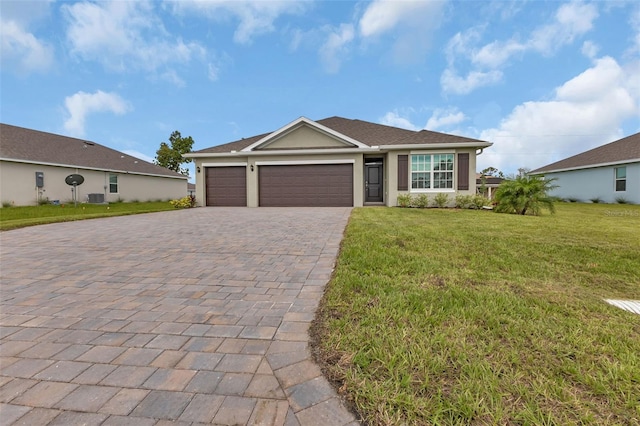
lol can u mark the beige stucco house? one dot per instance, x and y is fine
(335, 162)
(34, 165)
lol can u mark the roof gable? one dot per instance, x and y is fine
(32, 146)
(303, 124)
(621, 151)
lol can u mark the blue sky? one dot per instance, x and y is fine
(541, 80)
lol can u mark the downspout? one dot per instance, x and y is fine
(480, 153)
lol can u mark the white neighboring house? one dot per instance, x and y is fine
(610, 173)
(34, 165)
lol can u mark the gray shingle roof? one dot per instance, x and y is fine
(368, 133)
(625, 149)
(18, 143)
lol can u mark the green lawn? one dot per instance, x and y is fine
(19, 217)
(446, 316)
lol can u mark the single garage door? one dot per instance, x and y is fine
(308, 185)
(226, 186)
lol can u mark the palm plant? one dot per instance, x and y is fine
(525, 194)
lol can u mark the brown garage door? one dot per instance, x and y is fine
(226, 186)
(308, 185)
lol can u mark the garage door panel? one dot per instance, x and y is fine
(226, 186)
(309, 185)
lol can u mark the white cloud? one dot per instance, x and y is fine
(570, 21)
(21, 50)
(81, 104)
(335, 48)
(444, 118)
(411, 21)
(255, 17)
(590, 49)
(453, 83)
(393, 118)
(125, 36)
(585, 112)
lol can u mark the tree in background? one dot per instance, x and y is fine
(171, 157)
(525, 194)
(492, 172)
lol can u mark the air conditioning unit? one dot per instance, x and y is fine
(96, 198)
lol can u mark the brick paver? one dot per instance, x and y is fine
(196, 316)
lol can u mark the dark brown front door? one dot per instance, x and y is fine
(226, 186)
(306, 185)
(373, 186)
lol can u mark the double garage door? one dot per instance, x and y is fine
(308, 185)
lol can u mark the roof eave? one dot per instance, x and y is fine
(100, 169)
(438, 145)
(588, 166)
(283, 152)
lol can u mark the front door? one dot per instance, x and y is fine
(373, 182)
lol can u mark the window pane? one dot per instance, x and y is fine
(420, 181)
(621, 185)
(113, 184)
(621, 172)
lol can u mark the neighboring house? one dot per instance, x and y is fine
(191, 189)
(487, 185)
(610, 173)
(34, 165)
(335, 162)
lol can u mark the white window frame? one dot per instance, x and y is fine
(432, 172)
(616, 179)
(116, 184)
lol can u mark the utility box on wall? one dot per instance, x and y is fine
(39, 179)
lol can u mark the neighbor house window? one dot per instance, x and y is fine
(621, 179)
(113, 183)
(432, 171)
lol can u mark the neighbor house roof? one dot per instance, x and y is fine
(367, 133)
(32, 146)
(625, 150)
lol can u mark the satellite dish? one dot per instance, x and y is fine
(74, 180)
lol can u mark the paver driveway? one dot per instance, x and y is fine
(183, 317)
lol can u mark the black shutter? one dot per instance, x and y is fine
(463, 171)
(403, 172)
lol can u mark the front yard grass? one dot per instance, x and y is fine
(446, 316)
(20, 217)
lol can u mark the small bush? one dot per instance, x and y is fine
(421, 201)
(464, 201)
(404, 200)
(7, 204)
(441, 200)
(479, 201)
(43, 201)
(572, 200)
(184, 202)
(622, 200)
(596, 200)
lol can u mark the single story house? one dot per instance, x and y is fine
(335, 162)
(34, 166)
(609, 173)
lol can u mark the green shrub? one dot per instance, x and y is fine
(464, 201)
(404, 200)
(183, 203)
(421, 201)
(441, 200)
(596, 200)
(622, 200)
(525, 194)
(479, 201)
(572, 200)
(7, 204)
